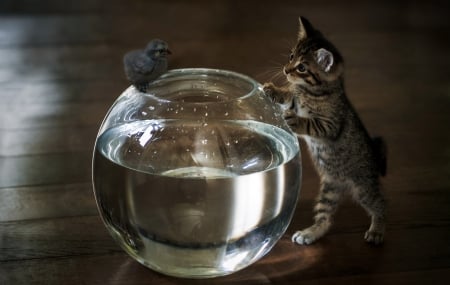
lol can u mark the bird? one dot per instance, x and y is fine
(145, 65)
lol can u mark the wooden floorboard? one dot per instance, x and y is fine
(45, 202)
(56, 168)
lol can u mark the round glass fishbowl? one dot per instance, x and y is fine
(198, 176)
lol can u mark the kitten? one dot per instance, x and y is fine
(345, 157)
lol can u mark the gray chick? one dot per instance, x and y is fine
(143, 66)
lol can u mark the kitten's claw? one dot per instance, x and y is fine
(303, 237)
(374, 237)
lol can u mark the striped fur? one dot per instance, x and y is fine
(345, 156)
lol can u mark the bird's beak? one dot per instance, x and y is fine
(168, 51)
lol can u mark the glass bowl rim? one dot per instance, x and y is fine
(255, 86)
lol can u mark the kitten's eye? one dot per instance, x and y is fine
(301, 67)
(291, 57)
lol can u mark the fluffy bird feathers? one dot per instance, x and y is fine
(144, 66)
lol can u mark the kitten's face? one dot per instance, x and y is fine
(301, 69)
(310, 67)
(311, 63)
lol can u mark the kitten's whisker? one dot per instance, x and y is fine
(276, 66)
(271, 74)
(275, 63)
(276, 75)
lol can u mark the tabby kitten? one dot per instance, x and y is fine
(345, 157)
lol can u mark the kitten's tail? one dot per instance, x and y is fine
(380, 149)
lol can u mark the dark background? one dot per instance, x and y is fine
(61, 69)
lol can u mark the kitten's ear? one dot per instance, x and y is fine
(302, 29)
(305, 28)
(325, 59)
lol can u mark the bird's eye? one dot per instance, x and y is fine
(301, 67)
(291, 56)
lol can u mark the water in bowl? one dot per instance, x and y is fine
(192, 199)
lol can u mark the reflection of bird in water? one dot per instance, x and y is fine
(143, 66)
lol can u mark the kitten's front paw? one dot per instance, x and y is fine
(374, 237)
(269, 90)
(304, 237)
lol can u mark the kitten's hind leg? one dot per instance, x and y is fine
(326, 206)
(374, 203)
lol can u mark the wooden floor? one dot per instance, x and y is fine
(60, 70)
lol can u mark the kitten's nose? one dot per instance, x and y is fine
(287, 70)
